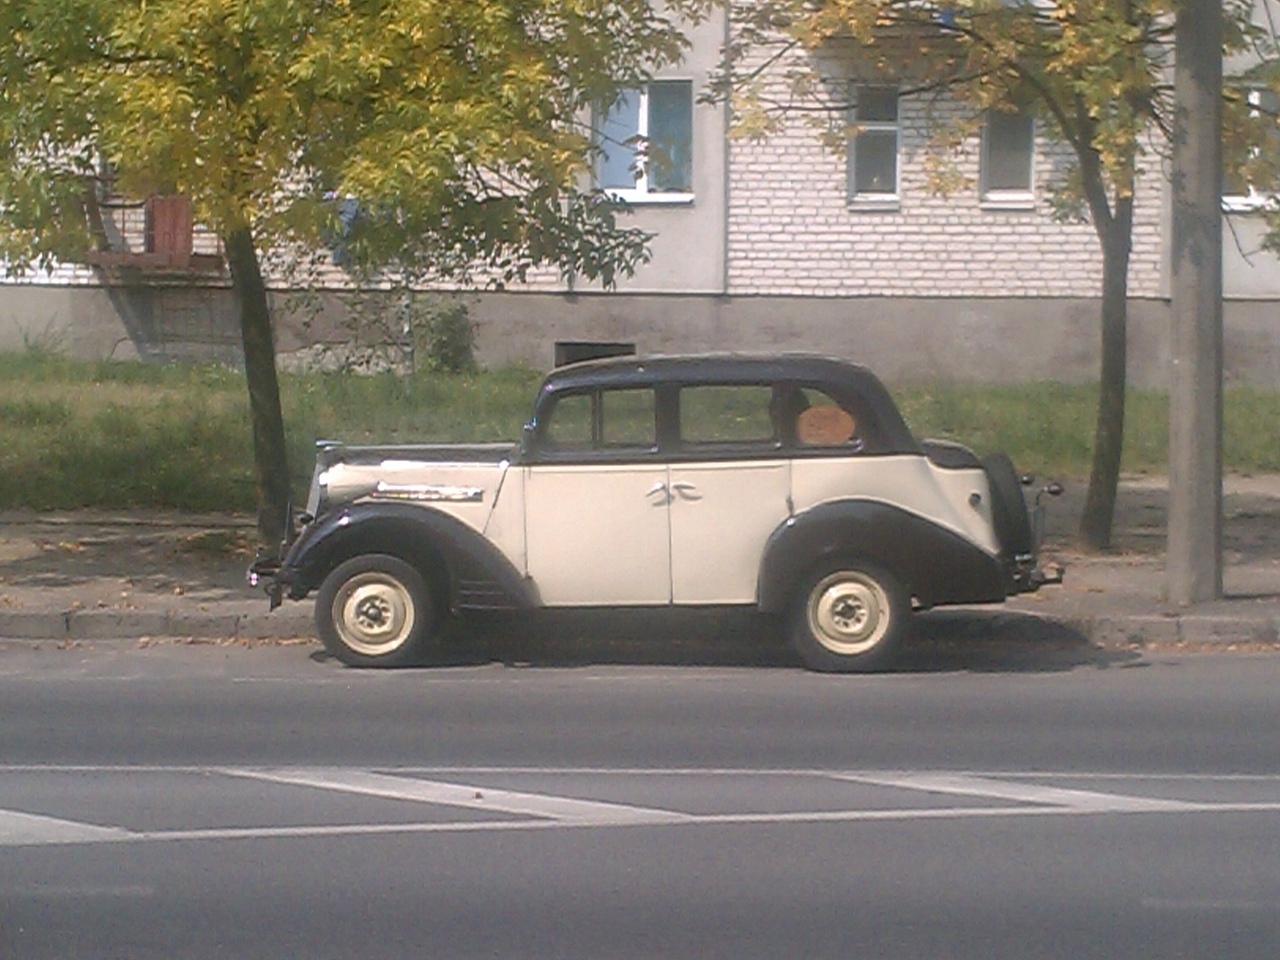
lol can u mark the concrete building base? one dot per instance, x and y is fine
(966, 339)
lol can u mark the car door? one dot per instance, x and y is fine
(729, 491)
(596, 503)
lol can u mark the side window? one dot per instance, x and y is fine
(609, 419)
(626, 418)
(726, 414)
(569, 424)
(823, 423)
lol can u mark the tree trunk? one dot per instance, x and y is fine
(1099, 508)
(270, 457)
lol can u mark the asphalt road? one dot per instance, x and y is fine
(212, 801)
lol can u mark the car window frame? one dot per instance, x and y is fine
(544, 450)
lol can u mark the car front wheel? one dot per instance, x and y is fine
(375, 611)
(850, 616)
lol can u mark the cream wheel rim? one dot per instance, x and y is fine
(374, 613)
(848, 613)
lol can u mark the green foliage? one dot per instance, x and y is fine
(449, 338)
(457, 124)
(405, 331)
(1095, 73)
(454, 127)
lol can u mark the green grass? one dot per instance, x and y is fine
(1049, 427)
(115, 434)
(120, 434)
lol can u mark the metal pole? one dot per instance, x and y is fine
(1194, 560)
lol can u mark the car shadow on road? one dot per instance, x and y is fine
(1001, 641)
(953, 640)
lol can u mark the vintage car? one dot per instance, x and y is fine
(788, 483)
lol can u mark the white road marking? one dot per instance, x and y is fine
(546, 811)
(959, 784)
(461, 795)
(29, 829)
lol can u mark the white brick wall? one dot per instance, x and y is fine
(792, 230)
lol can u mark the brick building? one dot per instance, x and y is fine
(778, 244)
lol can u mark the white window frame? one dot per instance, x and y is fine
(874, 199)
(1252, 201)
(1020, 198)
(640, 193)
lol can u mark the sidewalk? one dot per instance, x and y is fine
(81, 576)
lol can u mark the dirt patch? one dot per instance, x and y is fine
(80, 560)
(1251, 517)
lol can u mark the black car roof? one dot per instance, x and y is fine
(842, 377)
(710, 368)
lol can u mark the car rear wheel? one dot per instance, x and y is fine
(375, 610)
(849, 616)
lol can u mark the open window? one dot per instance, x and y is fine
(645, 143)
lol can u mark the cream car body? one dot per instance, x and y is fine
(667, 481)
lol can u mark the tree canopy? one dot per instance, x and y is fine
(459, 121)
(1096, 75)
(459, 126)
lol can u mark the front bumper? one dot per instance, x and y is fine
(265, 573)
(272, 573)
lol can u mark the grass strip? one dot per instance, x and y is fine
(120, 434)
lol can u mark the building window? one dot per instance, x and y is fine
(1238, 193)
(1008, 154)
(873, 149)
(645, 143)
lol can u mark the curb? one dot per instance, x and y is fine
(1186, 630)
(138, 624)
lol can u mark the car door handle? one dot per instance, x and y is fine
(662, 489)
(686, 491)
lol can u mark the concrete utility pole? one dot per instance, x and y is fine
(1194, 561)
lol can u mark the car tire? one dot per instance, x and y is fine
(376, 610)
(849, 617)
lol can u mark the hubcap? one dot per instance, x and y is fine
(374, 613)
(848, 613)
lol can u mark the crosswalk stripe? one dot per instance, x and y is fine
(972, 786)
(462, 795)
(539, 811)
(29, 829)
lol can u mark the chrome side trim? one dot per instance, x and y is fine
(428, 492)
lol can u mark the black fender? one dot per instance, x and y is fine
(936, 565)
(475, 573)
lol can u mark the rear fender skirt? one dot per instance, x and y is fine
(937, 565)
(479, 576)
